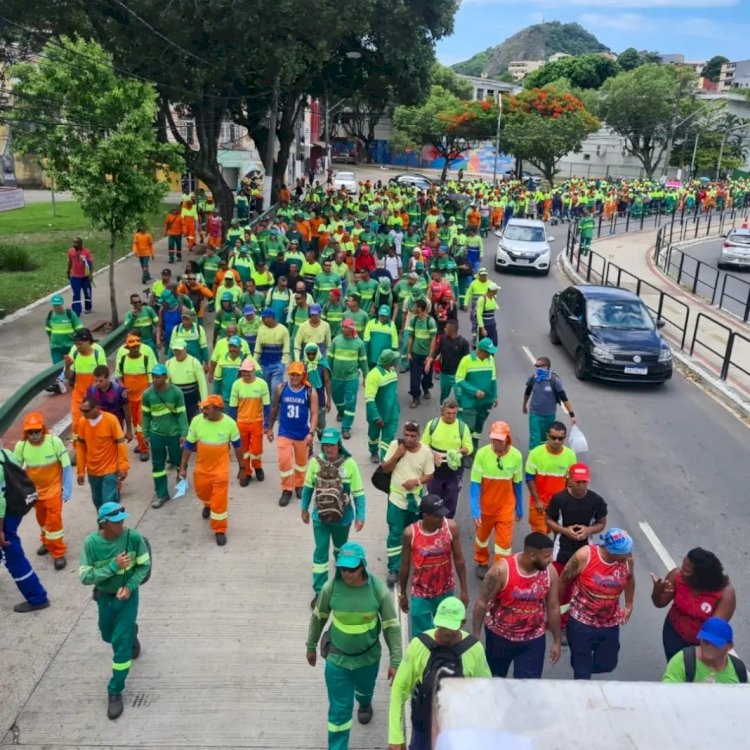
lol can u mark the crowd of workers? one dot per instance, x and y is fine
(334, 292)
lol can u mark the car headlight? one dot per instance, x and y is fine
(665, 355)
(602, 354)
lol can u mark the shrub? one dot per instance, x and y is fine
(15, 258)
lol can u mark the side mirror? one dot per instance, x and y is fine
(661, 323)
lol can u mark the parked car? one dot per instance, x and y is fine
(412, 179)
(736, 250)
(525, 176)
(610, 334)
(346, 181)
(523, 243)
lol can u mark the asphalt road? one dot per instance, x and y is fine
(709, 276)
(663, 456)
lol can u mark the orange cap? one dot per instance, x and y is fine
(214, 400)
(500, 431)
(297, 368)
(33, 421)
(132, 340)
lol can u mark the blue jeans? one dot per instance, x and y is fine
(419, 380)
(274, 376)
(14, 559)
(81, 284)
(527, 657)
(592, 650)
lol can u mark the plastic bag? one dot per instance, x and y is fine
(577, 440)
(180, 489)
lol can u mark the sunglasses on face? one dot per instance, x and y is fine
(411, 427)
(115, 512)
(556, 438)
(85, 411)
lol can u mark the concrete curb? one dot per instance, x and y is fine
(687, 366)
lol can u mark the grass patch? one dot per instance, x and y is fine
(33, 233)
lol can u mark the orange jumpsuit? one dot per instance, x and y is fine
(82, 370)
(211, 441)
(189, 222)
(143, 245)
(252, 401)
(134, 372)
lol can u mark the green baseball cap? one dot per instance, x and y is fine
(56, 299)
(450, 614)
(351, 554)
(384, 310)
(330, 436)
(485, 345)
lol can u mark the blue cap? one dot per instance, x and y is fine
(617, 542)
(315, 309)
(235, 341)
(113, 512)
(351, 555)
(717, 632)
(249, 310)
(268, 313)
(159, 369)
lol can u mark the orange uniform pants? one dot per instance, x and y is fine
(537, 520)
(136, 385)
(497, 217)
(48, 510)
(76, 397)
(503, 527)
(188, 230)
(251, 435)
(212, 488)
(293, 457)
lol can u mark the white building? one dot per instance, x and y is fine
(734, 75)
(488, 88)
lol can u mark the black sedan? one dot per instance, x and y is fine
(611, 335)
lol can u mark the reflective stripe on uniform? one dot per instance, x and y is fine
(480, 543)
(219, 516)
(121, 666)
(340, 727)
(354, 629)
(320, 567)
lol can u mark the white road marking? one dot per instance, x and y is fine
(659, 548)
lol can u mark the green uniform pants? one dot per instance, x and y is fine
(104, 489)
(446, 384)
(379, 438)
(398, 520)
(117, 626)
(475, 419)
(343, 685)
(538, 426)
(422, 611)
(58, 353)
(344, 393)
(162, 448)
(324, 533)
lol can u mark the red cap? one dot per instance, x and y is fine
(579, 473)
(336, 292)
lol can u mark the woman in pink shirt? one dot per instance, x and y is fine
(80, 270)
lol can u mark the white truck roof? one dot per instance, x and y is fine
(484, 714)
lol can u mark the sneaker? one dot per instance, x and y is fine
(374, 458)
(314, 602)
(51, 388)
(206, 512)
(244, 482)
(24, 607)
(42, 551)
(392, 579)
(260, 475)
(346, 434)
(364, 714)
(298, 492)
(61, 387)
(221, 539)
(285, 499)
(60, 563)
(159, 501)
(427, 396)
(481, 571)
(145, 456)
(114, 710)
(414, 403)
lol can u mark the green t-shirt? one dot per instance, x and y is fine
(98, 565)
(423, 332)
(676, 671)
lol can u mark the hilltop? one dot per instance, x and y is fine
(535, 42)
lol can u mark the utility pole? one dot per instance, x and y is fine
(695, 153)
(326, 155)
(497, 136)
(271, 145)
(670, 138)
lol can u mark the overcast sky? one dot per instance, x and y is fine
(699, 29)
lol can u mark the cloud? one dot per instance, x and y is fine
(618, 4)
(617, 21)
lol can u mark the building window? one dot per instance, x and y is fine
(480, 94)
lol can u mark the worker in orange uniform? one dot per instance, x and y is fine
(209, 436)
(173, 231)
(473, 218)
(250, 405)
(189, 215)
(143, 247)
(101, 453)
(80, 363)
(133, 370)
(496, 495)
(48, 465)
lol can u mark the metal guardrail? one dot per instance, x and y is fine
(17, 402)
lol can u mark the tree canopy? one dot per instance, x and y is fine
(712, 68)
(583, 72)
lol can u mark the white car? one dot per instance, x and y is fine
(346, 181)
(524, 243)
(736, 250)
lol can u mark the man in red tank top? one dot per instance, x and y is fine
(433, 547)
(598, 576)
(518, 602)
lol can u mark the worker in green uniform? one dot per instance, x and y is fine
(478, 288)
(381, 402)
(60, 325)
(380, 334)
(356, 313)
(476, 387)
(115, 560)
(165, 426)
(360, 606)
(586, 230)
(347, 357)
(226, 314)
(334, 311)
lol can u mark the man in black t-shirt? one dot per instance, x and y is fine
(574, 515)
(451, 349)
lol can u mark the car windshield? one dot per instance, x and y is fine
(629, 314)
(345, 175)
(524, 234)
(739, 239)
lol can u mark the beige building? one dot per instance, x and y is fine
(734, 75)
(519, 69)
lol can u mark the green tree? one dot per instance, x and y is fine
(542, 125)
(583, 72)
(712, 68)
(643, 107)
(445, 77)
(95, 132)
(629, 59)
(445, 122)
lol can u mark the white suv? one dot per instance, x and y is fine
(524, 243)
(736, 250)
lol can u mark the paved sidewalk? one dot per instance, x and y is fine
(223, 630)
(634, 254)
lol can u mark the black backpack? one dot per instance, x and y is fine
(444, 661)
(134, 554)
(690, 658)
(20, 492)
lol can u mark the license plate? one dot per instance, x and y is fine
(636, 370)
(523, 260)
